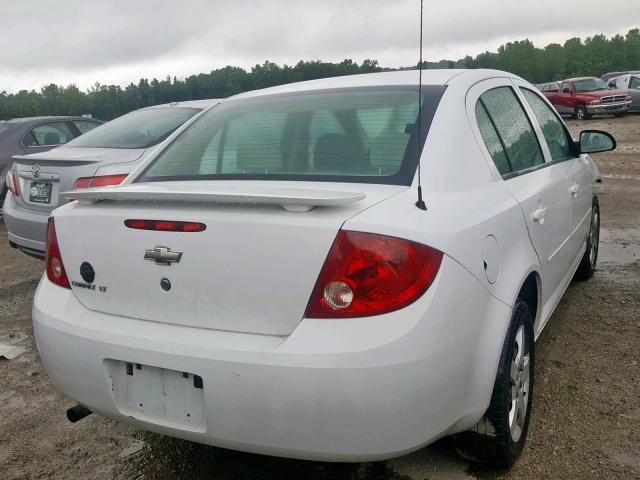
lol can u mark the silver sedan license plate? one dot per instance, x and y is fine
(40, 192)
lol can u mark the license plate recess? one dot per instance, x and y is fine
(158, 395)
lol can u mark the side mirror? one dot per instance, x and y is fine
(594, 141)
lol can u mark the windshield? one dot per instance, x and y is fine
(590, 85)
(139, 129)
(634, 82)
(352, 134)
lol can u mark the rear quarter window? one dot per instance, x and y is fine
(85, 125)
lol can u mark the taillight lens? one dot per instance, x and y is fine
(165, 225)
(368, 274)
(12, 183)
(53, 260)
(100, 181)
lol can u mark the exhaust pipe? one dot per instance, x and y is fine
(77, 413)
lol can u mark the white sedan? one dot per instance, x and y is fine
(273, 280)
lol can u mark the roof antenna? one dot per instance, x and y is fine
(420, 203)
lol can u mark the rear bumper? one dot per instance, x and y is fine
(334, 390)
(27, 229)
(609, 108)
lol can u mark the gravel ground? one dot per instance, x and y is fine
(586, 415)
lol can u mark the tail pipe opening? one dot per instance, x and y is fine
(77, 413)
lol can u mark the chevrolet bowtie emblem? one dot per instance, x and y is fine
(162, 255)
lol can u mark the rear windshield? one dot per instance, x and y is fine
(353, 134)
(139, 129)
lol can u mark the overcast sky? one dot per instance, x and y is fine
(116, 41)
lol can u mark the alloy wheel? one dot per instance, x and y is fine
(519, 378)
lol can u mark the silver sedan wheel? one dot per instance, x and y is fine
(519, 378)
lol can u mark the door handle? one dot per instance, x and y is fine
(538, 215)
(574, 189)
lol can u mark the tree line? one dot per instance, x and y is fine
(594, 56)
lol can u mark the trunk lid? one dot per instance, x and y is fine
(251, 270)
(55, 171)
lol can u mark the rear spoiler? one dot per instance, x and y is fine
(62, 162)
(291, 199)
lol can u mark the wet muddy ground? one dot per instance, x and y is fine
(586, 415)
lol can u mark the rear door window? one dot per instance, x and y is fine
(513, 128)
(48, 134)
(553, 130)
(492, 140)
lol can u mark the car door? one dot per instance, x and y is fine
(564, 99)
(521, 161)
(551, 93)
(570, 164)
(634, 91)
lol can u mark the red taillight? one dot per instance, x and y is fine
(165, 225)
(367, 274)
(12, 183)
(100, 181)
(53, 259)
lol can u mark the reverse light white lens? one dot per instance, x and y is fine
(56, 267)
(338, 295)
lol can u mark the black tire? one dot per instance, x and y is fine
(491, 441)
(589, 263)
(581, 113)
(3, 194)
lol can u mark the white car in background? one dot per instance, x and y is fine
(631, 84)
(268, 280)
(104, 156)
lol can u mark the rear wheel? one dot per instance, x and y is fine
(498, 438)
(582, 113)
(588, 264)
(3, 194)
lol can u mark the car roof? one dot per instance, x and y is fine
(577, 79)
(188, 103)
(49, 117)
(403, 77)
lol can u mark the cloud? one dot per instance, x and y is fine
(117, 41)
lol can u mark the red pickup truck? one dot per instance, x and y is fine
(587, 96)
